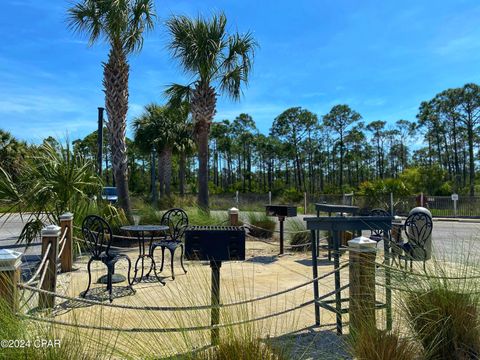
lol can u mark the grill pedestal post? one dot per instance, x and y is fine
(281, 219)
(215, 311)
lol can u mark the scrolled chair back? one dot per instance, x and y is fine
(177, 222)
(377, 233)
(418, 228)
(97, 235)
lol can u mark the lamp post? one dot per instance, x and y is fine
(100, 141)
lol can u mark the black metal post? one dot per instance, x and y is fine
(336, 265)
(388, 283)
(215, 311)
(315, 275)
(100, 141)
(153, 180)
(281, 219)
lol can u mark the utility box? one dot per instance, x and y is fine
(281, 210)
(215, 243)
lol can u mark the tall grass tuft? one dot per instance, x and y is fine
(374, 344)
(446, 322)
(241, 348)
(263, 226)
(298, 235)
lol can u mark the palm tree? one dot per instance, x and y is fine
(121, 24)
(216, 60)
(160, 127)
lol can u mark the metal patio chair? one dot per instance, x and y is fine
(98, 237)
(418, 229)
(177, 221)
(377, 234)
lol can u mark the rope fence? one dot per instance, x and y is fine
(43, 263)
(184, 308)
(167, 330)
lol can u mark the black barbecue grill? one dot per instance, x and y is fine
(215, 243)
(281, 212)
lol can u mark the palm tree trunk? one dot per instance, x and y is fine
(115, 81)
(181, 173)
(161, 173)
(203, 168)
(204, 101)
(168, 171)
(153, 182)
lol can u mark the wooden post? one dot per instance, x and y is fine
(66, 258)
(10, 262)
(50, 235)
(362, 253)
(233, 216)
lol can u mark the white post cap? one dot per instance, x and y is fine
(362, 243)
(66, 216)
(420, 209)
(233, 211)
(51, 230)
(9, 259)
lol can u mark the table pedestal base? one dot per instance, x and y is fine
(116, 278)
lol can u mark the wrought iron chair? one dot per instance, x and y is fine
(98, 237)
(377, 234)
(418, 228)
(177, 222)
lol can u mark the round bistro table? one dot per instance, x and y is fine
(141, 231)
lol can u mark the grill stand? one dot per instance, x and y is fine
(281, 219)
(215, 311)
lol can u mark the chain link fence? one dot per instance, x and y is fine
(440, 206)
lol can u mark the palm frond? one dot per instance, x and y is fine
(198, 43)
(237, 64)
(85, 18)
(142, 19)
(178, 94)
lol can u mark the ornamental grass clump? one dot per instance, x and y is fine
(374, 344)
(245, 349)
(299, 236)
(263, 227)
(446, 322)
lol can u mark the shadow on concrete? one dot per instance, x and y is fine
(314, 342)
(320, 262)
(263, 259)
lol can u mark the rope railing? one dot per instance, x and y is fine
(63, 237)
(123, 236)
(430, 277)
(287, 246)
(167, 330)
(111, 246)
(37, 287)
(275, 231)
(42, 264)
(184, 308)
(60, 252)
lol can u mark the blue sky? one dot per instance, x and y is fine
(380, 57)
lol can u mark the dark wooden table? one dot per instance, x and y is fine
(337, 224)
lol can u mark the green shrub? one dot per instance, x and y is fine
(291, 196)
(263, 226)
(446, 322)
(298, 235)
(200, 217)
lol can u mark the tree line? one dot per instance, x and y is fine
(305, 152)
